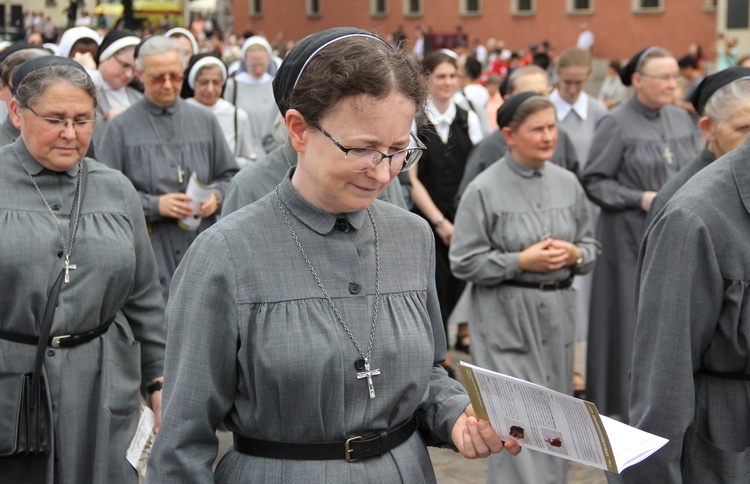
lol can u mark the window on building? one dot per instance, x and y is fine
(313, 8)
(256, 8)
(412, 8)
(523, 7)
(648, 6)
(378, 8)
(471, 7)
(580, 6)
(738, 12)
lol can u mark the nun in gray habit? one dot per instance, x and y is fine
(64, 214)
(522, 234)
(308, 321)
(637, 147)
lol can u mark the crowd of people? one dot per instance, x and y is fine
(363, 193)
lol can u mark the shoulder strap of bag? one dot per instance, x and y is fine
(54, 295)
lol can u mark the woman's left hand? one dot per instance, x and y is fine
(155, 401)
(572, 252)
(210, 206)
(474, 438)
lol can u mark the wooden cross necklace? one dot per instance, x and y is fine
(362, 364)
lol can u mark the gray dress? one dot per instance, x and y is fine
(95, 387)
(130, 145)
(627, 158)
(258, 179)
(666, 192)
(292, 375)
(522, 332)
(693, 317)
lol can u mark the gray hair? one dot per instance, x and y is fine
(523, 72)
(721, 104)
(153, 46)
(33, 86)
(16, 59)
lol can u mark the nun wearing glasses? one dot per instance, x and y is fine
(66, 216)
(330, 310)
(159, 143)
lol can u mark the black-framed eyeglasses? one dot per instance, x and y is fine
(365, 159)
(80, 125)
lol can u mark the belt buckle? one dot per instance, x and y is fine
(548, 285)
(56, 340)
(349, 450)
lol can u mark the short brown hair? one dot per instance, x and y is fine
(352, 67)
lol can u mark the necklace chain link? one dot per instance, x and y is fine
(322, 288)
(76, 214)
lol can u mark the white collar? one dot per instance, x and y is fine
(436, 118)
(248, 79)
(107, 87)
(580, 107)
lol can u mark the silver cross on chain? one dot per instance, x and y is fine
(369, 374)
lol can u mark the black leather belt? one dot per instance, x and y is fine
(544, 285)
(60, 341)
(353, 449)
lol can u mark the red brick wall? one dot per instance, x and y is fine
(619, 33)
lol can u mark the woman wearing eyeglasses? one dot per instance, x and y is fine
(308, 322)
(65, 216)
(159, 143)
(637, 147)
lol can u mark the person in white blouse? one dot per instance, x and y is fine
(449, 132)
(206, 75)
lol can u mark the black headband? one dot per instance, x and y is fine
(511, 105)
(17, 47)
(714, 82)
(296, 60)
(634, 65)
(20, 72)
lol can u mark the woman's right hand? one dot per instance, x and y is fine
(542, 257)
(175, 205)
(445, 232)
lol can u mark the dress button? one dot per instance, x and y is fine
(177, 252)
(354, 288)
(50, 353)
(59, 254)
(55, 207)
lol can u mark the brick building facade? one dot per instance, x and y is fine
(621, 27)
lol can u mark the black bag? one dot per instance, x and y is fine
(25, 415)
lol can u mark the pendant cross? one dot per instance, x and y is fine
(668, 155)
(69, 267)
(369, 374)
(180, 175)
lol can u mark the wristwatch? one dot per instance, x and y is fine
(439, 223)
(154, 387)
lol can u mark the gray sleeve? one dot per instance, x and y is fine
(238, 193)
(224, 167)
(394, 195)
(473, 256)
(600, 174)
(144, 308)
(480, 157)
(446, 398)
(676, 320)
(590, 248)
(200, 374)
